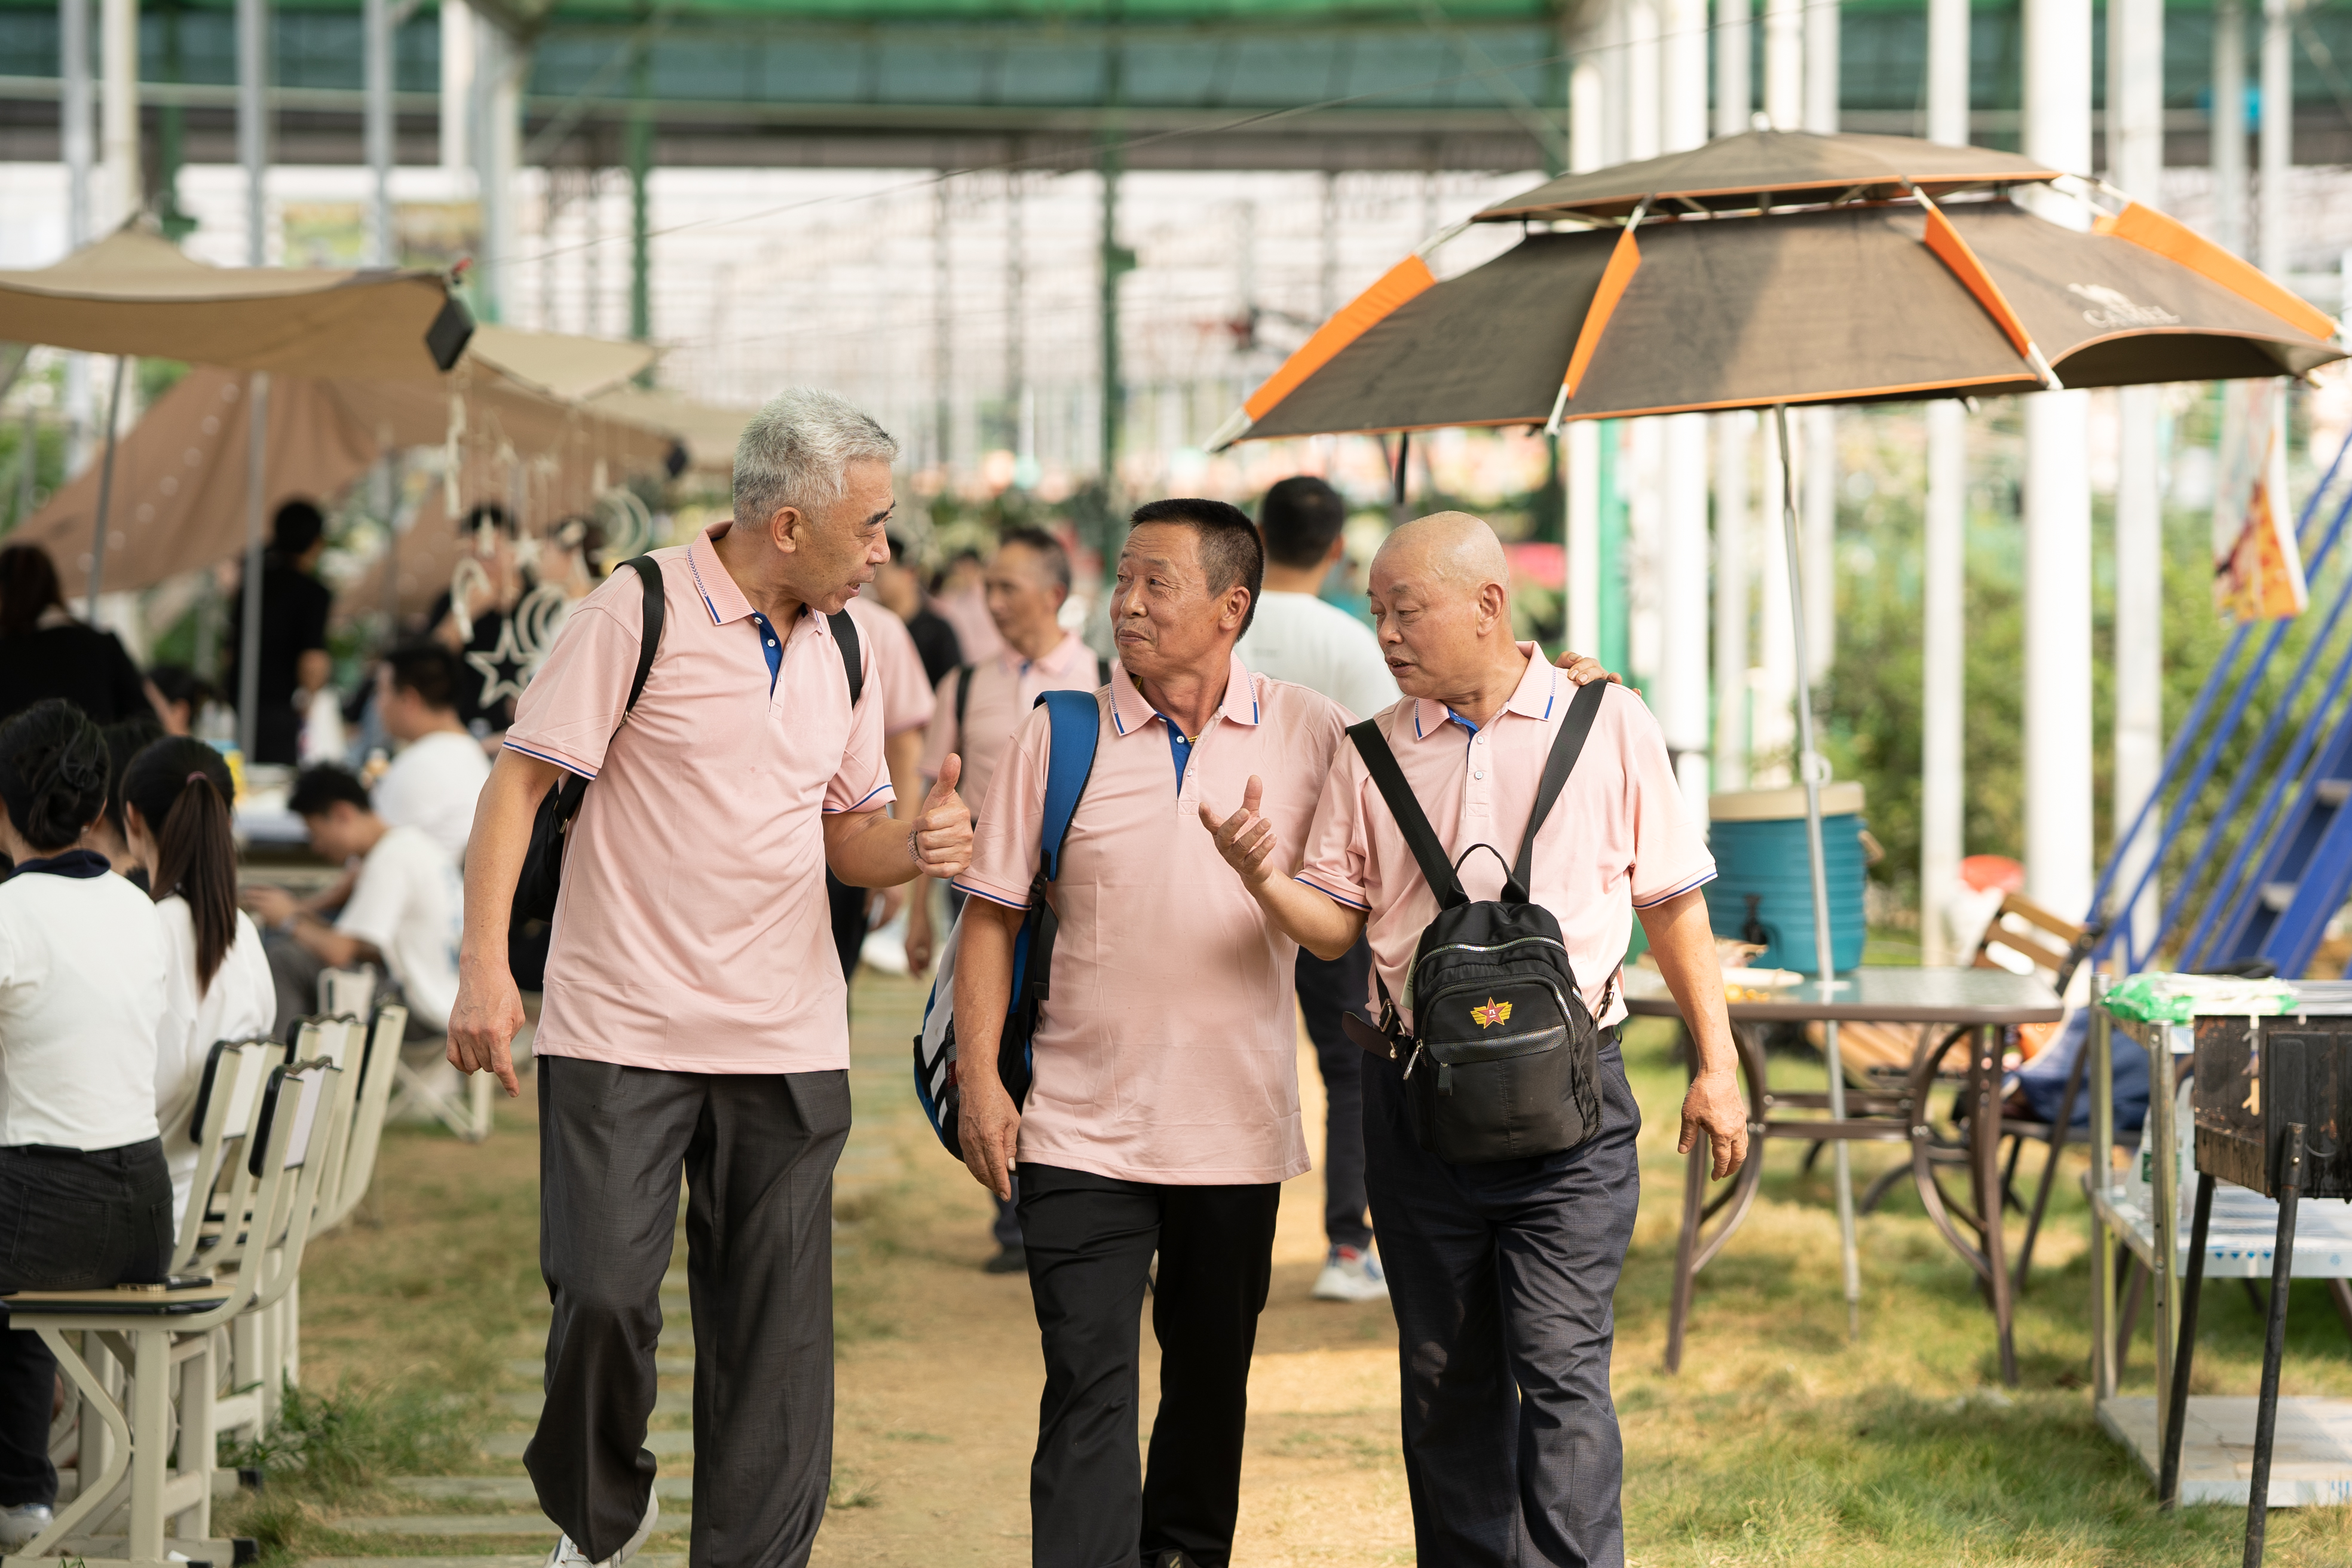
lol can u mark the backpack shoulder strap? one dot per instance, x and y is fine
(1102, 673)
(1566, 745)
(1413, 822)
(649, 570)
(853, 662)
(963, 694)
(1076, 725)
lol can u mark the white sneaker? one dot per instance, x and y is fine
(1351, 1275)
(21, 1524)
(566, 1556)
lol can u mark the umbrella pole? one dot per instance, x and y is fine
(248, 648)
(1810, 774)
(105, 491)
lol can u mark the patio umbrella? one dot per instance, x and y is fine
(1778, 267)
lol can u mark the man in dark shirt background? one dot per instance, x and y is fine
(294, 608)
(899, 589)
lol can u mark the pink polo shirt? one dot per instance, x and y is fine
(692, 933)
(1168, 1050)
(893, 665)
(1618, 839)
(1003, 690)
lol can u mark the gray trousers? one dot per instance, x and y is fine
(1501, 1277)
(757, 1152)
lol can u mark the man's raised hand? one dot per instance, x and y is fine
(1245, 838)
(1584, 669)
(942, 832)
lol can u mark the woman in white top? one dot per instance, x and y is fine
(84, 1193)
(175, 815)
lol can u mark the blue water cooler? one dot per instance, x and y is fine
(1763, 879)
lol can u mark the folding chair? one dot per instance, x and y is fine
(379, 1060)
(154, 1331)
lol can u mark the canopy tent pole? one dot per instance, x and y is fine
(105, 491)
(248, 648)
(1809, 769)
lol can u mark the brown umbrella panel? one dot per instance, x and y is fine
(134, 293)
(1773, 168)
(1842, 305)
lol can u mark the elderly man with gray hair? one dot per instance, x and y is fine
(695, 1021)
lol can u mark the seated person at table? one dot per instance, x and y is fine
(175, 813)
(440, 769)
(402, 915)
(82, 995)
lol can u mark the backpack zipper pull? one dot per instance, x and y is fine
(1413, 1061)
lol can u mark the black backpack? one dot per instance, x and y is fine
(1504, 1061)
(530, 924)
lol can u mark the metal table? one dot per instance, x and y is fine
(1978, 1000)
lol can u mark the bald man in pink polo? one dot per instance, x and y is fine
(694, 1022)
(1501, 1273)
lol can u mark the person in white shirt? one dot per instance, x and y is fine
(404, 914)
(83, 1000)
(175, 814)
(440, 768)
(1296, 637)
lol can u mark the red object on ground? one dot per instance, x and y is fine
(1986, 871)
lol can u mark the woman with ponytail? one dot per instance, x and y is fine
(82, 1002)
(175, 814)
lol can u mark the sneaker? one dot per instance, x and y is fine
(566, 1556)
(1008, 1260)
(1350, 1274)
(20, 1524)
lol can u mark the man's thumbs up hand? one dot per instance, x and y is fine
(1245, 838)
(941, 838)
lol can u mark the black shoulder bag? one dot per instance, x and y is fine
(1504, 1060)
(533, 912)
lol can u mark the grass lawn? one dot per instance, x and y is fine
(1780, 1441)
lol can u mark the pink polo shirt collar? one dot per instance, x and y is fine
(1057, 661)
(1538, 690)
(715, 588)
(1131, 711)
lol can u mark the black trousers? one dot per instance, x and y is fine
(1501, 1277)
(1090, 1240)
(1327, 990)
(757, 1152)
(70, 1220)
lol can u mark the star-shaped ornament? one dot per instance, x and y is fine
(504, 672)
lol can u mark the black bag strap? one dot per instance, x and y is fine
(657, 609)
(845, 634)
(1413, 822)
(1102, 673)
(1566, 745)
(963, 696)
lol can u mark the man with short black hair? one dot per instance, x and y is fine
(440, 769)
(1297, 637)
(978, 707)
(403, 912)
(293, 664)
(1164, 1112)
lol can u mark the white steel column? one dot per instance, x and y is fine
(1943, 756)
(253, 124)
(379, 128)
(1733, 434)
(119, 111)
(2135, 163)
(1819, 468)
(1772, 727)
(1639, 472)
(1784, 64)
(1588, 133)
(1641, 107)
(2058, 838)
(2227, 127)
(2278, 135)
(78, 140)
(1681, 566)
(495, 137)
(456, 83)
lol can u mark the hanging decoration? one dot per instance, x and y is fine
(2257, 567)
(628, 526)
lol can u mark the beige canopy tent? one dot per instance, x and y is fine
(180, 486)
(558, 363)
(709, 432)
(134, 293)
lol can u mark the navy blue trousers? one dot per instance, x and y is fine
(1501, 1277)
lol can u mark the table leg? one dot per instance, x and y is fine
(2258, 1496)
(1984, 1132)
(2200, 1224)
